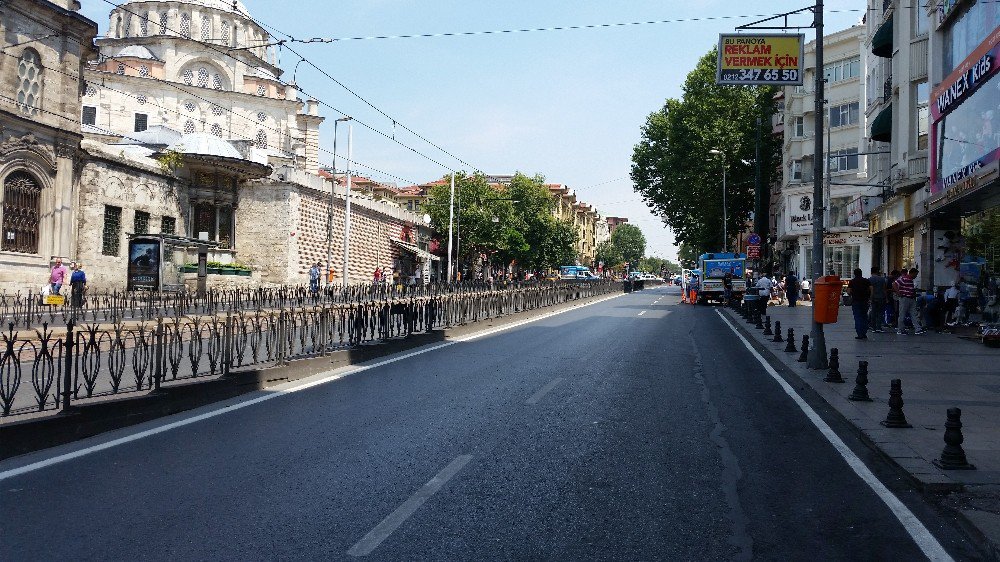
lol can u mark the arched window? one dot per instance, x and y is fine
(120, 69)
(21, 195)
(188, 127)
(261, 90)
(261, 116)
(261, 140)
(163, 23)
(216, 110)
(189, 106)
(143, 26)
(217, 129)
(217, 81)
(29, 78)
(225, 33)
(188, 76)
(141, 99)
(186, 25)
(143, 70)
(206, 28)
(128, 25)
(203, 77)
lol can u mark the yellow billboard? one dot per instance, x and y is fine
(760, 59)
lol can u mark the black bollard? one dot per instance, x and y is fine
(767, 326)
(833, 375)
(860, 392)
(953, 455)
(790, 341)
(895, 418)
(804, 356)
(759, 321)
(777, 332)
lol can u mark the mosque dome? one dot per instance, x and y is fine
(223, 5)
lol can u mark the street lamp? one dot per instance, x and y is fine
(333, 186)
(725, 215)
(347, 199)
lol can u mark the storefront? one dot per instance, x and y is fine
(842, 254)
(964, 200)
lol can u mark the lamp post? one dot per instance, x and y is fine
(725, 213)
(451, 220)
(333, 188)
(347, 200)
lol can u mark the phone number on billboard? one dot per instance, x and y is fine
(760, 75)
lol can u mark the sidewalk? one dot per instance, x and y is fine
(938, 371)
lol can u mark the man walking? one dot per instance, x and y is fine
(57, 277)
(792, 288)
(880, 293)
(861, 292)
(727, 286)
(314, 273)
(907, 294)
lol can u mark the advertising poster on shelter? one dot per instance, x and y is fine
(144, 264)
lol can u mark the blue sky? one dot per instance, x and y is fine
(565, 104)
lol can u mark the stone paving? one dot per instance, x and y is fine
(938, 371)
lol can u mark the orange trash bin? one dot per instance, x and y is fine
(826, 301)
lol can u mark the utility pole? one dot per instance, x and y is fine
(817, 352)
(347, 202)
(451, 220)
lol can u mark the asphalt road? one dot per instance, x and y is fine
(621, 430)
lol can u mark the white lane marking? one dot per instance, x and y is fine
(274, 392)
(370, 542)
(543, 391)
(925, 540)
(641, 313)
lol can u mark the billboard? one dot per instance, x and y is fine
(760, 59)
(144, 259)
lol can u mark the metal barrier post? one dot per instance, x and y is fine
(68, 368)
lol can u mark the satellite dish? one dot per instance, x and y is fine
(427, 218)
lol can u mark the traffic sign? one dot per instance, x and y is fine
(753, 251)
(753, 239)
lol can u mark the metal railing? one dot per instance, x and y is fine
(53, 368)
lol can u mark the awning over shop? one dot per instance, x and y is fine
(422, 254)
(882, 126)
(882, 40)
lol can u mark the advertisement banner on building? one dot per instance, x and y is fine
(965, 135)
(799, 210)
(856, 215)
(760, 59)
(144, 259)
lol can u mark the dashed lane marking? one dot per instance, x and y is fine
(536, 397)
(641, 313)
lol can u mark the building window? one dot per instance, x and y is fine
(141, 99)
(844, 160)
(261, 90)
(217, 81)
(923, 115)
(204, 217)
(203, 77)
(186, 25)
(217, 129)
(919, 18)
(261, 116)
(839, 260)
(128, 25)
(111, 236)
(838, 211)
(91, 91)
(188, 127)
(143, 27)
(140, 223)
(29, 85)
(795, 169)
(844, 115)
(261, 140)
(89, 115)
(21, 196)
(189, 106)
(842, 70)
(225, 33)
(144, 70)
(168, 225)
(141, 122)
(225, 214)
(120, 69)
(798, 127)
(188, 77)
(206, 28)
(216, 110)
(163, 23)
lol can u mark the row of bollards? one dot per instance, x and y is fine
(952, 457)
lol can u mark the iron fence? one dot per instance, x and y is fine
(51, 368)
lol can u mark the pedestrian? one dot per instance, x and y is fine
(77, 286)
(314, 273)
(951, 298)
(806, 286)
(764, 292)
(892, 303)
(727, 286)
(906, 293)
(860, 290)
(791, 288)
(57, 276)
(377, 276)
(880, 293)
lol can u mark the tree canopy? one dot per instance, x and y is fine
(630, 243)
(678, 176)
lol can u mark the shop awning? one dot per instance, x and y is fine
(422, 254)
(882, 40)
(882, 126)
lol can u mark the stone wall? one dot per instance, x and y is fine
(265, 229)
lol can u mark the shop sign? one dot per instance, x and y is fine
(959, 87)
(856, 212)
(890, 216)
(760, 59)
(946, 9)
(800, 212)
(843, 239)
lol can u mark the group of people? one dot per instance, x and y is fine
(60, 276)
(887, 300)
(782, 288)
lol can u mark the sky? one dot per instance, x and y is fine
(567, 104)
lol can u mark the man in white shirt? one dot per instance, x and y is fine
(951, 303)
(763, 285)
(805, 284)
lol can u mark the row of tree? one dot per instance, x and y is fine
(677, 166)
(510, 225)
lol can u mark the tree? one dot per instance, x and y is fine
(608, 253)
(678, 177)
(630, 243)
(688, 256)
(654, 264)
